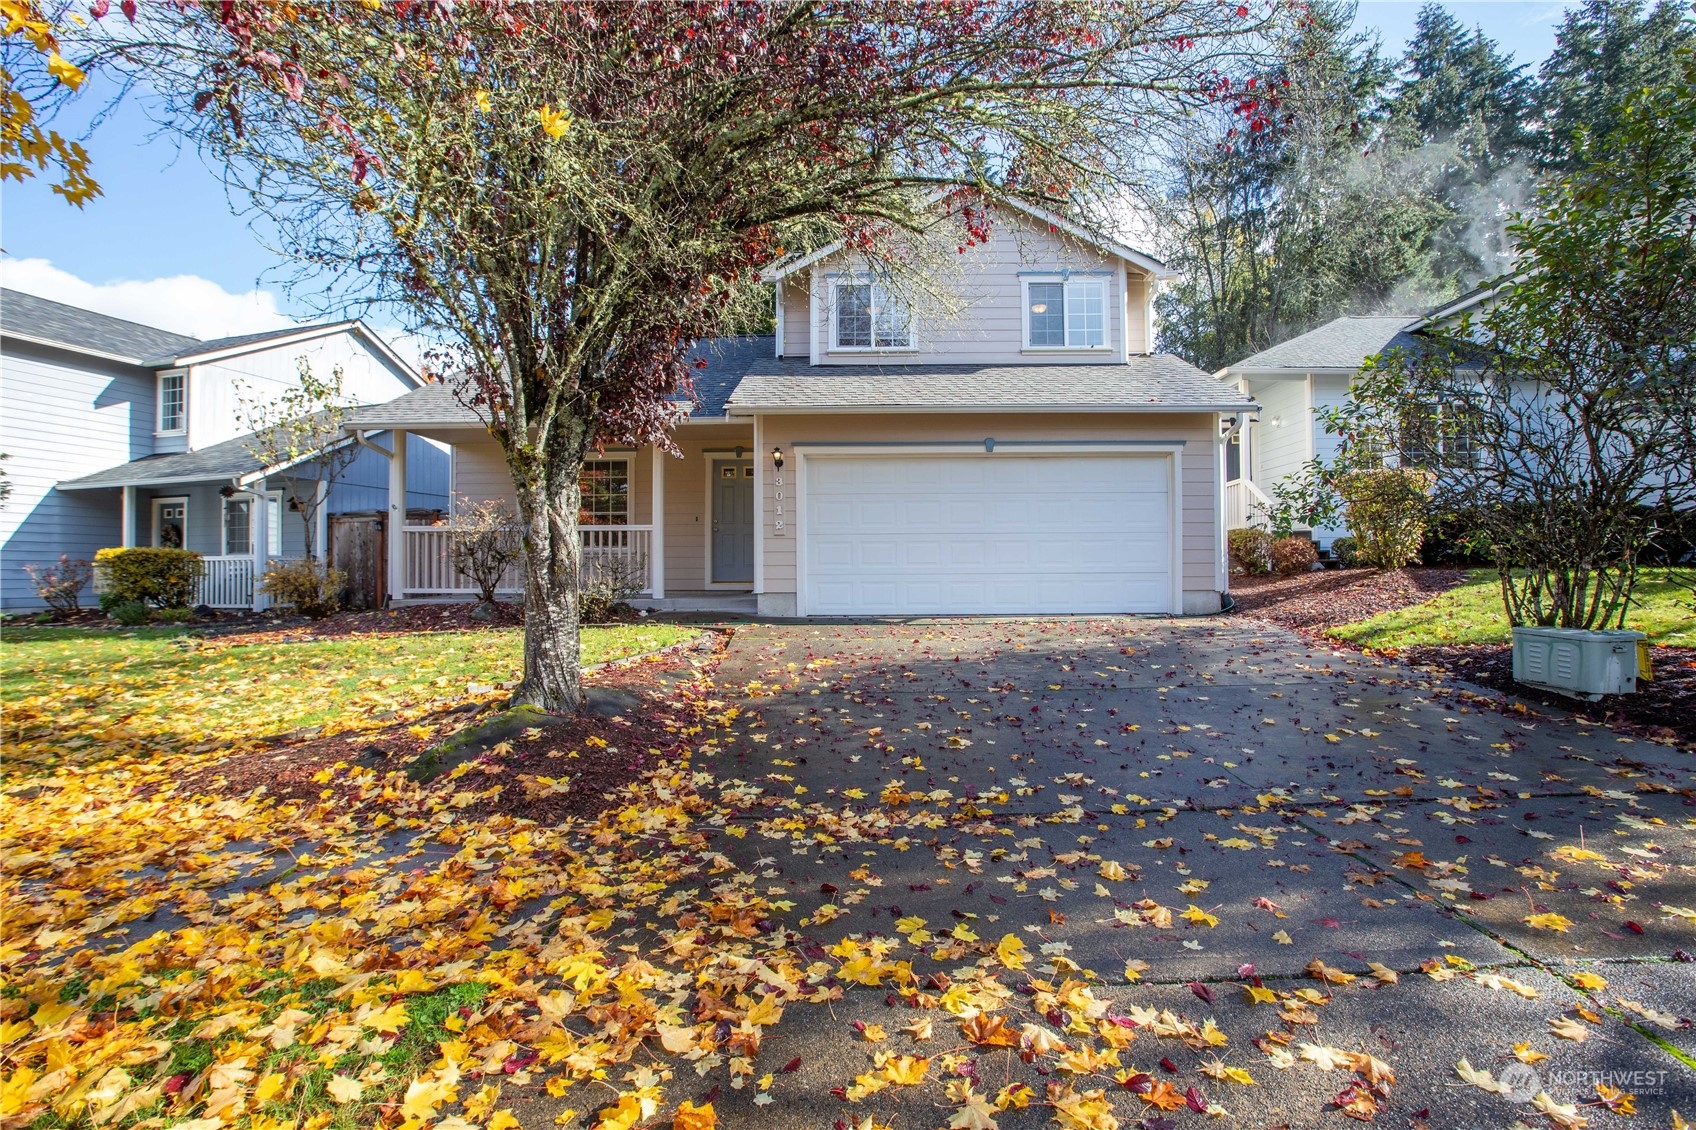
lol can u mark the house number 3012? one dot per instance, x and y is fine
(777, 506)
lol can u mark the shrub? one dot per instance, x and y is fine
(313, 589)
(1291, 555)
(594, 607)
(606, 584)
(1252, 550)
(1346, 551)
(60, 586)
(173, 615)
(485, 542)
(1385, 509)
(152, 574)
(131, 613)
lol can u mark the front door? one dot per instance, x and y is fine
(170, 522)
(733, 522)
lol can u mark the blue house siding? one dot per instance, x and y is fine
(63, 415)
(365, 485)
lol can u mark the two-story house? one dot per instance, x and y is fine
(1007, 443)
(121, 434)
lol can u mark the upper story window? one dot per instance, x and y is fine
(869, 315)
(173, 402)
(1066, 313)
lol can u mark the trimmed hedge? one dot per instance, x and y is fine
(161, 577)
(1294, 554)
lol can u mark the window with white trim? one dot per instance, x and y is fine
(604, 487)
(869, 315)
(1066, 313)
(173, 402)
(238, 525)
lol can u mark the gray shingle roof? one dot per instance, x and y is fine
(1160, 383)
(228, 460)
(433, 404)
(75, 328)
(1340, 344)
(728, 359)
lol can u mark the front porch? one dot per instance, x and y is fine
(676, 528)
(428, 573)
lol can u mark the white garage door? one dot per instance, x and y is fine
(986, 533)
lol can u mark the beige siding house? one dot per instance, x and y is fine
(998, 440)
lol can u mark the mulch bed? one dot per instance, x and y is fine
(1311, 603)
(1337, 596)
(566, 748)
(1663, 709)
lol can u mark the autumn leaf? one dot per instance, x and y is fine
(1483, 1080)
(1548, 921)
(554, 122)
(1569, 1029)
(1011, 950)
(1590, 982)
(344, 1090)
(692, 1117)
(1162, 1096)
(990, 1031)
(1199, 916)
(906, 1070)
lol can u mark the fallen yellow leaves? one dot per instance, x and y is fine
(1547, 921)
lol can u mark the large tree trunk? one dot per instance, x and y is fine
(552, 650)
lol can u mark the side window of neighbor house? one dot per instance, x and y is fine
(605, 487)
(238, 526)
(173, 401)
(1066, 314)
(870, 316)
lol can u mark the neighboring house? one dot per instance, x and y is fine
(122, 434)
(1006, 445)
(1296, 380)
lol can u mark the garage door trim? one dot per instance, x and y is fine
(1170, 451)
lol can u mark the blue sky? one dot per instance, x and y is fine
(163, 246)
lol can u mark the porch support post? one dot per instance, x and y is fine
(397, 515)
(321, 519)
(127, 534)
(259, 525)
(656, 550)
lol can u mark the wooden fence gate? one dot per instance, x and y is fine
(359, 547)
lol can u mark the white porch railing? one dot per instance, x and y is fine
(225, 582)
(1245, 504)
(427, 560)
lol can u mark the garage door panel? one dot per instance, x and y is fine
(1002, 533)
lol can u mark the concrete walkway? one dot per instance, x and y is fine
(1083, 784)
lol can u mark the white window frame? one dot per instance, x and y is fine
(167, 500)
(1072, 282)
(877, 287)
(159, 414)
(273, 525)
(629, 493)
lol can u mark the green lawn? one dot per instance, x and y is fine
(72, 688)
(1473, 614)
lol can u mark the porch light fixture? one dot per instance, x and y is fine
(777, 458)
(227, 491)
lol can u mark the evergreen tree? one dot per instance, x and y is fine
(1606, 51)
(1325, 213)
(1460, 87)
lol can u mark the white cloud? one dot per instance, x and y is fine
(185, 304)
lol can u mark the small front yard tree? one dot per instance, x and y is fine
(300, 435)
(571, 194)
(1555, 427)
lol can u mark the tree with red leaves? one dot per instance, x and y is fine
(572, 194)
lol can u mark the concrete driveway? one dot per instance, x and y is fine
(1083, 785)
